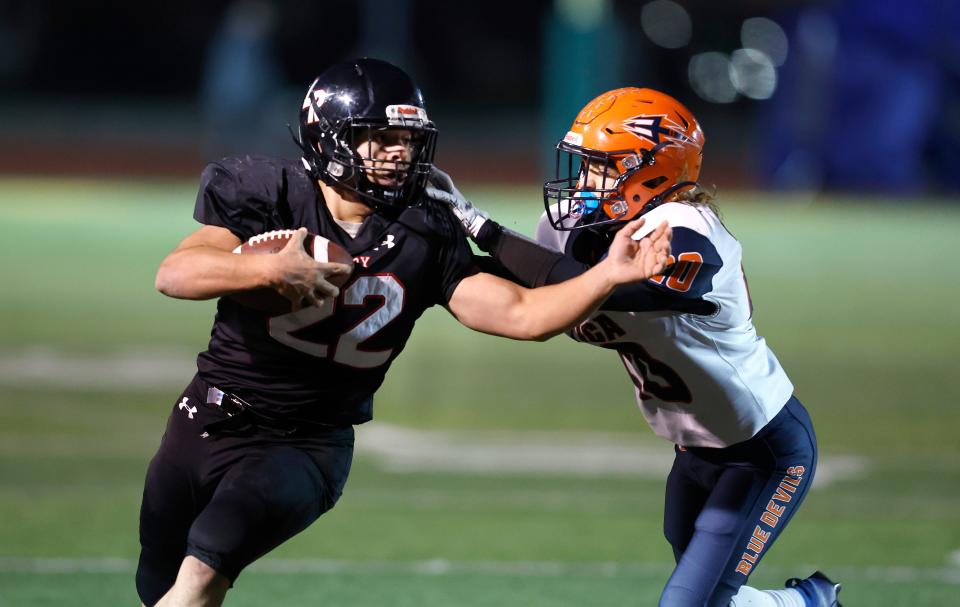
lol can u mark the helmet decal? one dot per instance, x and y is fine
(652, 127)
(319, 97)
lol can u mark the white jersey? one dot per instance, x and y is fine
(701, 381)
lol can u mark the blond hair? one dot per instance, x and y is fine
(698, 196)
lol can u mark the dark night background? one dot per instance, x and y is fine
(127, 88)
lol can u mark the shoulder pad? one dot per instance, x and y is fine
(677, 215)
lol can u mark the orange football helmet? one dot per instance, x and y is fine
(644, 144)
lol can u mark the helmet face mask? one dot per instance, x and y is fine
(356, 162)
(363, 128)
(571, 202)
(628, 151)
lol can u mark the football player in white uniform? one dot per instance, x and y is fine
(745, 447)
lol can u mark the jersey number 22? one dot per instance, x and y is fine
(346, 349)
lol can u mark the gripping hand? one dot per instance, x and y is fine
(440, 187)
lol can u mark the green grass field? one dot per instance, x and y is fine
(858, 302)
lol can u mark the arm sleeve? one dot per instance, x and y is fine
(528, 262)
(239, 196)
(534, 265)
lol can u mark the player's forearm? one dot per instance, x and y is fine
(547, 311)
(207, 272)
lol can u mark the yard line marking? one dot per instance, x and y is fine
(440, 567)
(591, 454)
(891, 574)
(394, 448)
(127, 370)
(66, 565)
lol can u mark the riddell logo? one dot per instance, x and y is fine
(573, 138)
(770, 518)
(406, 115)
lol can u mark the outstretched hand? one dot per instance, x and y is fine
(299, 277)
(635, 260)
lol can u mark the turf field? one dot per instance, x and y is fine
(858, 302)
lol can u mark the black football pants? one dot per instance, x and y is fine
(227, 500)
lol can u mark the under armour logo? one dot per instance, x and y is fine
(387, 242)
(190, 410)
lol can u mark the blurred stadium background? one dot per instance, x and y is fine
(495, 473)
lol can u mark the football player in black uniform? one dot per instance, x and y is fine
(260, 442)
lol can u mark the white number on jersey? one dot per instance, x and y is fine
(346, 348)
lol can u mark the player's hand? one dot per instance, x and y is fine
(299, 277)
(440, 187)
(635, 260)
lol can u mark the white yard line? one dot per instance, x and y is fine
(441, 567)
(394, 448)
(133, 369)
(589, 454)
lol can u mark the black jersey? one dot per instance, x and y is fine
(325, 362)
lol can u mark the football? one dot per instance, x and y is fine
(268, 243)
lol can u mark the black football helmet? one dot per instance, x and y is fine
(348, 104)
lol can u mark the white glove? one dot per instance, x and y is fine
(441, 188)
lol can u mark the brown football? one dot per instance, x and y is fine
(268, 243)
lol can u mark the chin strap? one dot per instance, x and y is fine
(305, 149)
(309, 161)
(662, 196)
